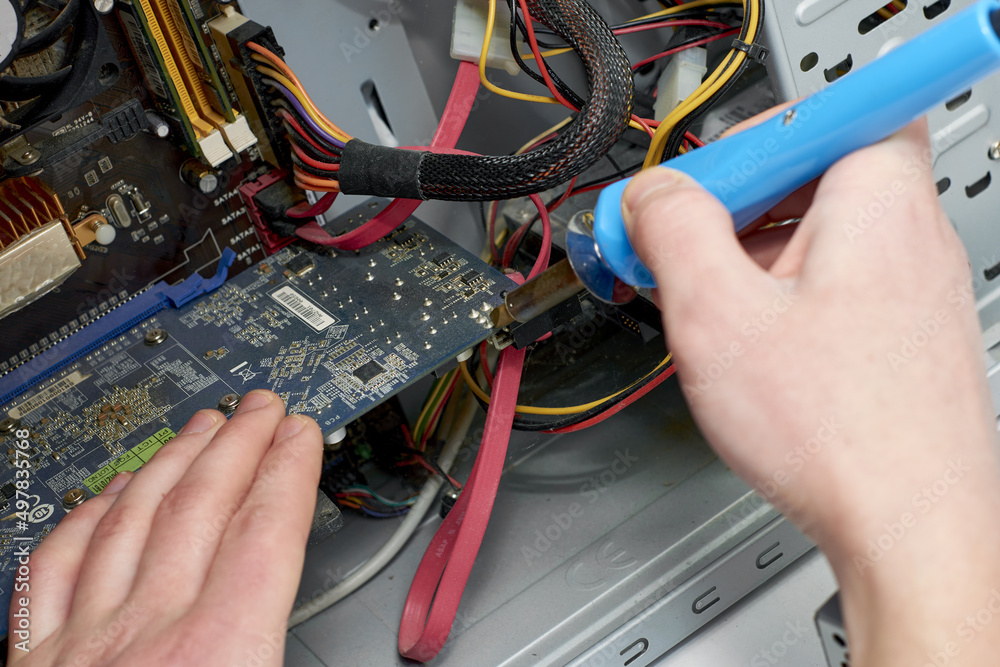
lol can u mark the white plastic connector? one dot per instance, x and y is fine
(680, 78)
(468, 32)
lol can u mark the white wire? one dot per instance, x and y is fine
(428, 494)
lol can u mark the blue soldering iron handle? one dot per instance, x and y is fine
(753, 170)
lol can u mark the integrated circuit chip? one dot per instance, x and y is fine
(369, 371)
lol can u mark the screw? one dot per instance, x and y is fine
(155, 336)
(994, 152)
(229, 403)
(333, 440)
(789, 117)
(104, 6)
(8, 425)
(29, 156)
(74, 498)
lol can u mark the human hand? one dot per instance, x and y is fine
(193, 560)
(845, 383)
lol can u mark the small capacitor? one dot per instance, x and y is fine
(116, 205)
(200, 176)
(157, 126)
(141, 205)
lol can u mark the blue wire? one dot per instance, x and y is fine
(380, 515)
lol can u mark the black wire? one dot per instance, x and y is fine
(307, 147)
(522, 424)
(695, 13)
(564, 89)
(676, 136)
(621, 173)
(279, 102)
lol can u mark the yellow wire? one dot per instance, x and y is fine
(662, 12)
(569, 410)
(303, 99)
(484, 53)
(709, 87)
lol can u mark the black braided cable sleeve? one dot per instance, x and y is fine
(600, 123)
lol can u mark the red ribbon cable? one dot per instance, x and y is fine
(456, 113)
(437, 587)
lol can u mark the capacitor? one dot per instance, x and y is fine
(141, 205)
(116, 205)
(157, 126)
(200, 176)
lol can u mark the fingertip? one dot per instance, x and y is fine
(643, 188)
(255, 400)
(294, 425)
(118, 483)
(201, 421)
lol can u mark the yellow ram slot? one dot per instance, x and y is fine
(201, 127)
(173, 32)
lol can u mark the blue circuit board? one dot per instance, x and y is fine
(333, 333)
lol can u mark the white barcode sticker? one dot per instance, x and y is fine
(303, 308)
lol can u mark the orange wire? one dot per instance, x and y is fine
(280, 64)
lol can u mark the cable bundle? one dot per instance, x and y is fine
(322, 152)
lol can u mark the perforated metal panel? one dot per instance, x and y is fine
(813, 42)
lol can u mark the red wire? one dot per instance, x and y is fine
(484, 364)
(313, 162)
(298, 128)
(456, 113)
(694, 140)
(566, 195)
(618, 407)
(437, 413)
(669, 24)
(670, 52)
(437, 587)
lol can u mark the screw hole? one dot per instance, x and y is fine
(108, 74)
(809, 61)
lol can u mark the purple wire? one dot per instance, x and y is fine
(305, 115)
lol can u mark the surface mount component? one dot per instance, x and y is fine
(332, 342)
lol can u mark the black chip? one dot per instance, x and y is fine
(441, 258)
(369, 371)
(7, 490)
(470, 276)
(402, 239)
(443, 274)
(301, 264)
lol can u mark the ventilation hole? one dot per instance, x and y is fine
(937, 9)
(953, 104)
(374, 25)
(844, 664)
(979, 186)
(839, 70)
(880, 16)
(380, 120)
(992, 272)
(837, 637)
(943, 185)
(809, 61)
